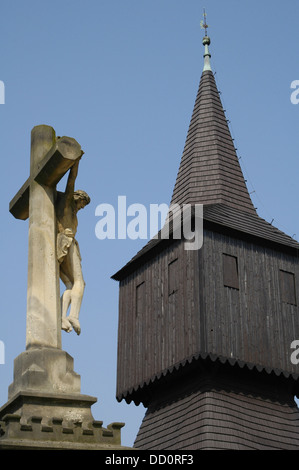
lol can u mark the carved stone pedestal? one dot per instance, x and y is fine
(48, 370)
(39, 421)
(46, 410)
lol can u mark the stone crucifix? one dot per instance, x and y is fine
(52, 249)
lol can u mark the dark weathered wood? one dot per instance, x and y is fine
(287, 287)
(230, 271)
(227, 409)
(172, 276)
(222, 219)
(190, 310)
(233, 302)
(209, 170)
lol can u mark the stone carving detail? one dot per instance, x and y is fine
(57, 432)
(68, 254)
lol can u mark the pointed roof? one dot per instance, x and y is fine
(210, 174)
(210, 171)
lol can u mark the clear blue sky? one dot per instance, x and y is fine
(121, 77)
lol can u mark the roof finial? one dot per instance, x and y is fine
(203, 23)
(206, 42)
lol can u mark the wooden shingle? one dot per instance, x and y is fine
(209, 171)
(216, 410)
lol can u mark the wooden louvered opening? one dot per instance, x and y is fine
(287, 287)
(230, 271)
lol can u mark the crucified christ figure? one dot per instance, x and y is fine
(68, 253)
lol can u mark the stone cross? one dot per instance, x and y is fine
(51, 158)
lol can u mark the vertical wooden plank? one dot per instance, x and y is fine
(120, 378)
(189, 309)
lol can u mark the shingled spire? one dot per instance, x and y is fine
(209, 171)
(205, 336)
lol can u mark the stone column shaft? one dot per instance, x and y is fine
(43, 305)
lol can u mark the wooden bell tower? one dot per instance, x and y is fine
(205, 335)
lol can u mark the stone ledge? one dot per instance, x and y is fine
(38, 421)
(57, 433)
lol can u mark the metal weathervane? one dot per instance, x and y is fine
(203, 23)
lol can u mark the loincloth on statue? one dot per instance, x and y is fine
(64, 241)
